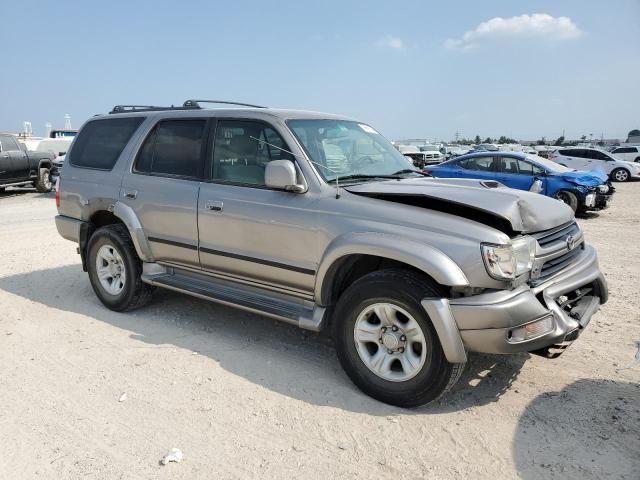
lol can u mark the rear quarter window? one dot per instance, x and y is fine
(100, 142)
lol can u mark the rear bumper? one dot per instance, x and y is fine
(486, 322)
(69, 228)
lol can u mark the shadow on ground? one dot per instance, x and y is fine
(589, 429)
(18, 191)
(263, 351)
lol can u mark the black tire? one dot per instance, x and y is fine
(404, 289)
(569, 198)
(43, 183)
(134, 293)
(620, 175)
(637, 160)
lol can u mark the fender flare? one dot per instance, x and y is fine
(419, 255)
(47, 161)
(130, 219)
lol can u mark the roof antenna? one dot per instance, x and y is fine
(297, 156)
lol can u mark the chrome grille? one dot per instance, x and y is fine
(558, 248)
(550, 237)
(551, 267)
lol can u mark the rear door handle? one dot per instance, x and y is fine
(132, 195)
(216, 206)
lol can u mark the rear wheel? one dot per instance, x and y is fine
(620, 175)
(568, 198)
(637, 160)
(386, 342)
(43, 182)
(115, 269)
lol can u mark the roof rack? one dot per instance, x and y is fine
(196, 103)
(145, 108)
(188, 105)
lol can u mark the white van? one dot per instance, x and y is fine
(629, 153)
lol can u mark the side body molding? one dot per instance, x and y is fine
(419, 255)
(128, 216)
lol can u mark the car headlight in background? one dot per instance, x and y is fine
(506, 262)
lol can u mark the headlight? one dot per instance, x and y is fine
(506, 262)
(603, 188)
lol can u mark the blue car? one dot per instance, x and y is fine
(580, 190)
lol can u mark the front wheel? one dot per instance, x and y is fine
(43, 182)
(568, 198)
(620, 175)
(386, 342)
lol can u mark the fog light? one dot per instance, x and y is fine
(532, 330)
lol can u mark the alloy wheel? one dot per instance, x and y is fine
(390, 342)
(110, 270)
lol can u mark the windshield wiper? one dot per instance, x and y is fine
(362, 177)
(410, 170)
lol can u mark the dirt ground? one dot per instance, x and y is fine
(247, 397)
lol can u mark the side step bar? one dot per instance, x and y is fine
(291, 310)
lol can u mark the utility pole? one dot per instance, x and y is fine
(457, 136)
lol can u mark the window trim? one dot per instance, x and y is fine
(208, 177)
(152, 131)
(142, 118)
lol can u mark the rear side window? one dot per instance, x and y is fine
(9, 143)
(173, 148)
(483, 164)
(100, 142)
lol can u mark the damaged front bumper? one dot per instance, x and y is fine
(542, 319)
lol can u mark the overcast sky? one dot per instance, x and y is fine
(410, 68)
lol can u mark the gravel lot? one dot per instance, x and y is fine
(247, 397)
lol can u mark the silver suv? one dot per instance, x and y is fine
(317, 220)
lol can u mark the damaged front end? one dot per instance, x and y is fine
(490, 203)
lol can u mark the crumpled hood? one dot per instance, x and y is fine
(525, 212)
(588, 179)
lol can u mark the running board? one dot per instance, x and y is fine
(280, 307)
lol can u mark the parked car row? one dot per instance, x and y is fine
(582, 191)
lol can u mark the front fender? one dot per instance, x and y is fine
(419, 255)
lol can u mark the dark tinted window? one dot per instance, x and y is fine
(9, 143)
(625, 150)
(241, 151)
(100, 142)
(174, 147)
(597, 155)
(570, 152)
(484, 164)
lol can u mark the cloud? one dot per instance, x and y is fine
(537, 25)
(389, 41)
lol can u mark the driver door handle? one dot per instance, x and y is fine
(131, 194)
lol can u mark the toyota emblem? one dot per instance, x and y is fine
(571, 242)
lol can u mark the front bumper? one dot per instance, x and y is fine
(486, 322)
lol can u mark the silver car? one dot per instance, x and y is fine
(317, 220)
